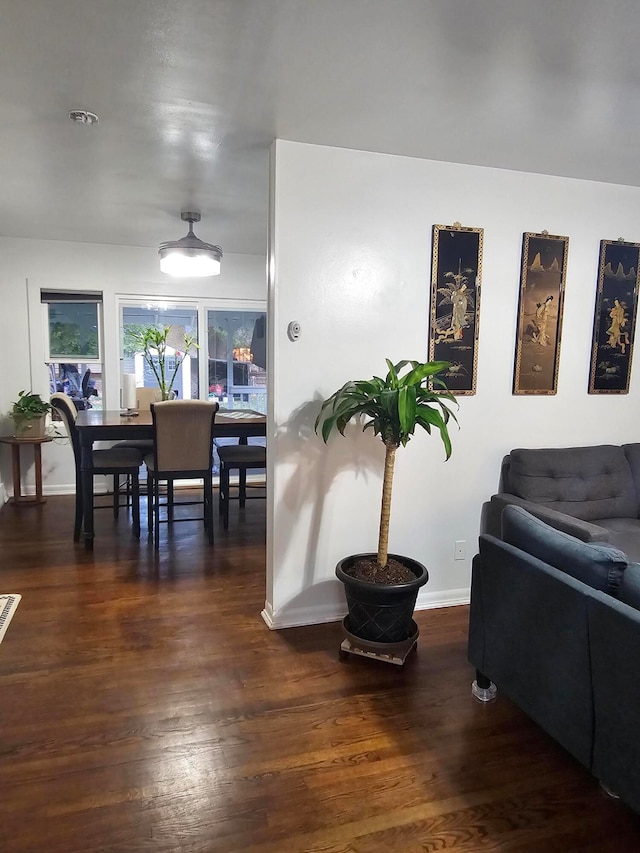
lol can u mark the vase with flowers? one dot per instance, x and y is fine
(153, 343)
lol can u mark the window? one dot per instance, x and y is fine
(73, 325)
(182, 322)
(81, 381)
(237, 359)
(228, 365)
(73, 347)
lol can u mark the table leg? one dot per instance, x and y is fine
(37, 458)
(17, 487)
(86, 455)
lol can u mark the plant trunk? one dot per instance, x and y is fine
(385, 511)
(173, 376)
(149, 359)
(163, 379)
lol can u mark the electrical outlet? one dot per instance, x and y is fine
(458, 549)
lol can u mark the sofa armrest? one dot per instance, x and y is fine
(614, 633)
(584, 530)
(528, 634)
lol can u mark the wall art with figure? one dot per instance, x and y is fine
(615, 317)
(455, 303)
(542, 280)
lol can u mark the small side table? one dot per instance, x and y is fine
(16, 443)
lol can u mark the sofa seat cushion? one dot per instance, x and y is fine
(629, 591)
(585, 482)
(597, 564)
(624, 534)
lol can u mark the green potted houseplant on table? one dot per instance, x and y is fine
(381, 589)
(29, 414)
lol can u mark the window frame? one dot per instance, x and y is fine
(202, 306)
(70, 297)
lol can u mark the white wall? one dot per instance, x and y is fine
(350, 258)
(26, 266)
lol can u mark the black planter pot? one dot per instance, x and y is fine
(381, 613)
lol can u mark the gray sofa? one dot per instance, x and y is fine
(592, 493)
(555, 624)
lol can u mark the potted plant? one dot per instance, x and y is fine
(29, 414)
(152, 342)
(381, 589)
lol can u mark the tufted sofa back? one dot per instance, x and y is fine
(586, 482)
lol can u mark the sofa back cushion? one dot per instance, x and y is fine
(596, 564)
(632, 453)
(585, 482)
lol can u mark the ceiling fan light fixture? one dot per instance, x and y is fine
(190, 257)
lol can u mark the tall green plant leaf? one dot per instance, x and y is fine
(392, 407)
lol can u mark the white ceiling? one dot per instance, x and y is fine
(191, 93)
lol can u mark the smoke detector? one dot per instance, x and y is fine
(83, 117)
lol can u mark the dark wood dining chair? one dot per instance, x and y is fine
(183, 449)
(240, 457)
(116, 462)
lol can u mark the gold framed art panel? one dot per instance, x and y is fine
(614, 322)
(456, 273)
(540, 305)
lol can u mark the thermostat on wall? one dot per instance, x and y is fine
(294, 330)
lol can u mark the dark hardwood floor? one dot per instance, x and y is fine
(145, 706)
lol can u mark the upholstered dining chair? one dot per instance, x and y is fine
(115, 461)
(144, 398)
(241, 457)
(183, 449)
(147, 396)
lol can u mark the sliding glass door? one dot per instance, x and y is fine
(230, 359)
(237, 358)
(182, 322)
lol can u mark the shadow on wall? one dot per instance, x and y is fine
(323, 601)
(316, 467)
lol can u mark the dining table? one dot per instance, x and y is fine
(105, 425)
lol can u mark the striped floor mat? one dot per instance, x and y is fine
(8, 606)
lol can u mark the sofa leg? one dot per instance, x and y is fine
(483, 689)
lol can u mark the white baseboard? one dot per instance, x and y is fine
(60, 489)
(296, 617)
(102, 488)
(46, 490)
(267, 615)
(444, 598)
